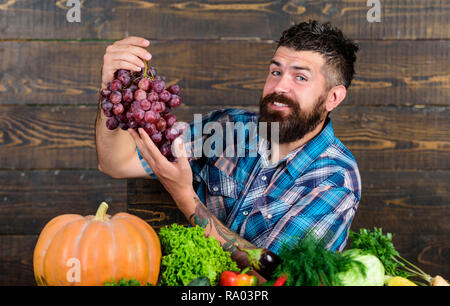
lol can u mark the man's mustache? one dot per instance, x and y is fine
(274, 97)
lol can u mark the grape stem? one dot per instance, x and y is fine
(151, 76)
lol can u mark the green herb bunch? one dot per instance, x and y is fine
(380, 245)
(308, 263)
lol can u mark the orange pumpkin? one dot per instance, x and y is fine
(77, 250)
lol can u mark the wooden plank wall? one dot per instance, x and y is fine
(395, 119)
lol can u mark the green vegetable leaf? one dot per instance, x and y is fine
(380, 245)
(124, 282)
(200, 281)
(308, 263)
(188, 254)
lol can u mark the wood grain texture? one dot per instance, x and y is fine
(186, 19)
(30, 199)
(16, 260)
(394, 119)
(47, 137)
(221, 72)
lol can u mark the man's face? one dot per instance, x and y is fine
(294, 93)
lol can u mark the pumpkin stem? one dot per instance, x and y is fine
(101, 212)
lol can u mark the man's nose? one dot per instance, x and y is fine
(283, 85)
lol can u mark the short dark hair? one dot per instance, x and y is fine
(339, 51)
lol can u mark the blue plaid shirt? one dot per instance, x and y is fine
(316, 187)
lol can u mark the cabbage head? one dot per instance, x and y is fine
(374, 270)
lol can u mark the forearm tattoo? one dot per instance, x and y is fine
(204, 218)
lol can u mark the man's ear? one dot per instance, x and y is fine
(335, 97)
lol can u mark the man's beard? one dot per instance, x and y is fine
(294, 125)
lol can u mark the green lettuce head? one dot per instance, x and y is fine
(374, 270)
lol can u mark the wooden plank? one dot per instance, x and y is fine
(30, 199)
(62, 137)
(149, 200)
(181, 19)
(412, 138)
(47, 137)
(16, 260)
(405, 201)
(220, 72)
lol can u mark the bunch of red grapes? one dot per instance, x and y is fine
(141, 99)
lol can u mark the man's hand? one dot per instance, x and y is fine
(128, 53)
(176, 177)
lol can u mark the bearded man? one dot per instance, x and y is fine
(266, 200)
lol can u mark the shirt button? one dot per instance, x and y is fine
(245, 213)
(269, 216)
(264, 177)
(215, 188)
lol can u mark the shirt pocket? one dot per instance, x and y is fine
(222, 191)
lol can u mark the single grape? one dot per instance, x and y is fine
(161, 124)
(118, 109)
(115, 85)
(175, 101)
(115, 97)
(145, 84)
(153, 96)
(174, 89)
(150, 117)
(140, 94)
(112, 123)
(158, 107)
(171, 134)
(157, 137)
(127, 95)
(107, 105)
(125, 79)
(145, 104)
(150, 128)
(139, 114)
(170, 119)
(105, 92)
(165, 96)
(158, 85)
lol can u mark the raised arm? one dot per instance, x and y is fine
(116, 150)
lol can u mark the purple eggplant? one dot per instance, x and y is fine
(262, 260)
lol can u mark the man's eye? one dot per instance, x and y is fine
(276, 73)
(300, 78)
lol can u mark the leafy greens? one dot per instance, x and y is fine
(308, 263)
(188, 254)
